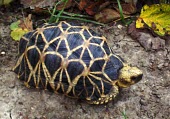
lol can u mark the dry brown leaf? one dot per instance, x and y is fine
(91, 7)
(107, 15)
(26, 23)
(68, 5)
(82, 4)
(127, 8)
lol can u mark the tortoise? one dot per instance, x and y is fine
(73, 60)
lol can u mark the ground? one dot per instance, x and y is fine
(148, 99)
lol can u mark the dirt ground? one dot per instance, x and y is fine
(148, 99)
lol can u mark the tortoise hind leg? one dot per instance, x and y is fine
(106, 98)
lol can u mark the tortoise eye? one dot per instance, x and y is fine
(136, 78)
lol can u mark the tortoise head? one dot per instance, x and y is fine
(128, 76)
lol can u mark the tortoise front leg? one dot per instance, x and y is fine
(106, 98)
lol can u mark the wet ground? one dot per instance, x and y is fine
(148, 99)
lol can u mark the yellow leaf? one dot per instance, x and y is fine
(18, 33)
(157, 17)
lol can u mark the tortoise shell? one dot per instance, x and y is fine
(69, 59)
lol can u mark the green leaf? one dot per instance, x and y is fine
(157, 17)
(14, 25)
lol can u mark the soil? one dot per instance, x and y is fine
(148, 99)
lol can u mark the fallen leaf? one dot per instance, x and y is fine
(26, 23)
(18, 33)
(127, 8)
(21, 27)
(156, 17)
(14, 25)
(68, 5)
(82, 4)
(91, 7)
(107, 15)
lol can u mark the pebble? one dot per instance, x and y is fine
(3, 53)
(119, 26)
(143, 102)
(11, 85)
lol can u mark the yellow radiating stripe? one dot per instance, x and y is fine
(93, 86)
(53, 40)
(46, 73)
(93, 60)
(73, 50)
(67, 46)
(91, 56)
(58, 45)
(101, 81)
(68, 77)
(96, 77)
(32, 73)
(97, 72)
(81, 55)
(73, 83)
(39, 74)
(84, 84)
(52, 84)
(49, 27)
(95, 44)
(89, 33)
(103, 68)
(18, 61)
(60, 81)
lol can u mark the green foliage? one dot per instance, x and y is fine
(14, 25)
(57, 14)
(124, 115)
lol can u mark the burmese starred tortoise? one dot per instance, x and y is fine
(73, 60)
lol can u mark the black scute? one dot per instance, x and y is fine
(96, 51)
(40, 43)
(106, 48)
(94, 33)
(20, 70)
(62, 49)
(74, 69)
(96, 40)
(97, 65)
(74, 29)
(52, 62)
(112, 67)
(86, 57)
(23, 42)
(51, 33)
(33, 57)
(74, 40)
(86, 34)
(64, 26)
(76, 54)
